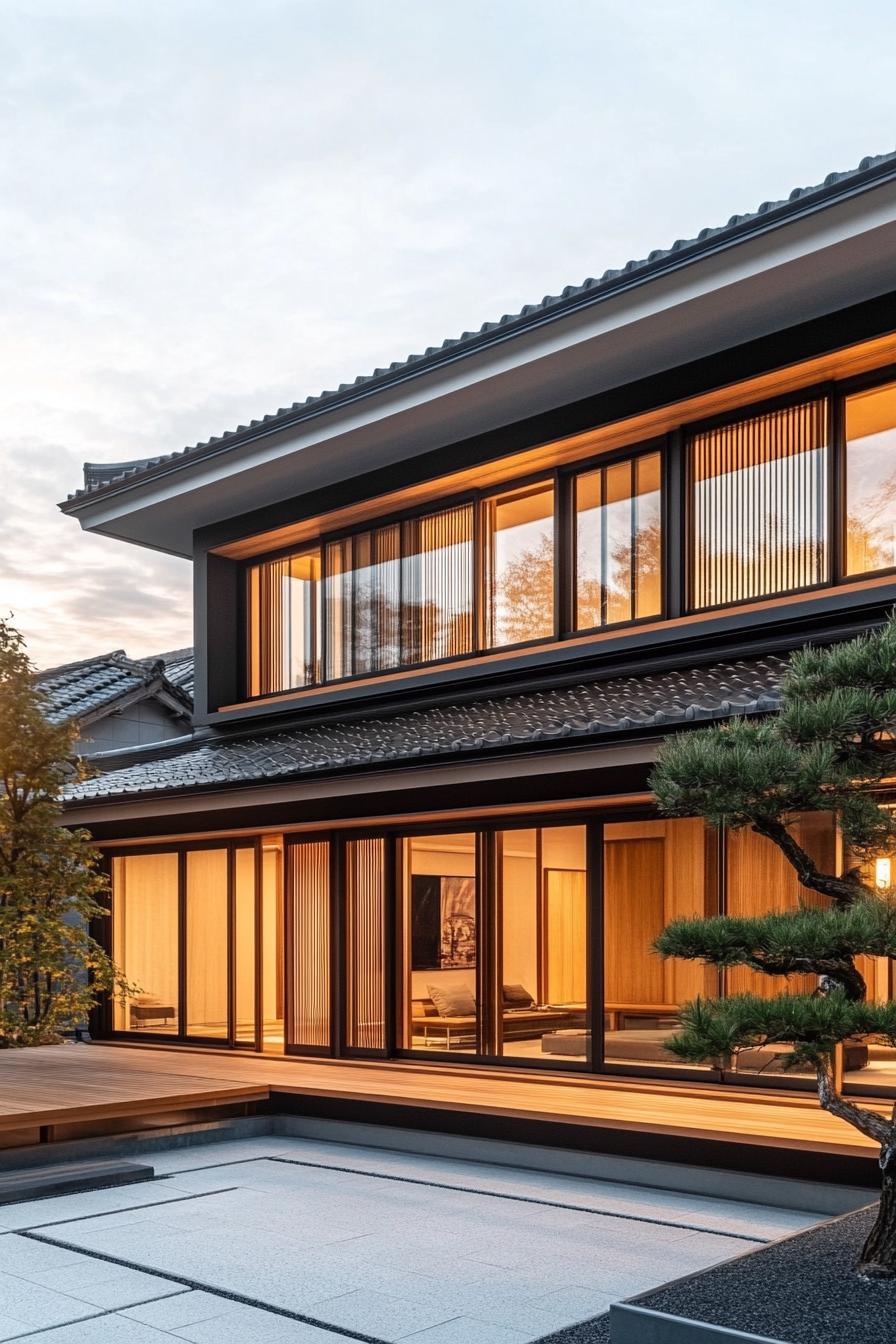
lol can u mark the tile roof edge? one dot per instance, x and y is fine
(870, 172)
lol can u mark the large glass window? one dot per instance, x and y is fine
(365, 920)
(440, 949)
(518, 564)
(758, 505)
(654, 872)
(618, 542)
(400, 594)
(308, 896)
(272, 959)
(871, 480)
(244, 947)
(206, 919)
(541, 1007)
(145, 936)
(284, 618)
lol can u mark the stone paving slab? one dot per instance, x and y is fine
(292, 1241)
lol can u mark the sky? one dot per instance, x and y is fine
(211, 209)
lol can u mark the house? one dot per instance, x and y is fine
(445, 613)
(119, 702)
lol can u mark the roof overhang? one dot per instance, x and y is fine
(832, 253)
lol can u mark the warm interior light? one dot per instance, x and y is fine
(882, 872)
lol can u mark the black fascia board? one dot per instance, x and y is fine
(819, 336)
(727, 237)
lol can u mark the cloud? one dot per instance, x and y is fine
(210, 210)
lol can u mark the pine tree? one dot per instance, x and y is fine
(51, 969)
(829, 747)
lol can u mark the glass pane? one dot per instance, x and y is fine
(440, 943)
(365, 915)
(206, 915)
(244, 945)
(273, 958)
(654, 872)
(618, 542)
(760, 879)
(873, 1062)
(758, 501)
(871, 480)
(437, 585)
(145, 925)
(309, 895)
(544, 940)
(284, 614)
(364, 602)
(519, 566)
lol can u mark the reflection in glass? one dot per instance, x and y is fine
(519, 565)
(654, 872)
(871, 480)
(758, 505)
(145, 927)
(206, 952)
(440, 943)
(618, 542)
(542, 999)
(284, 618)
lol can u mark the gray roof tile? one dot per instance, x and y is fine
(589, 711)
(75, 690)
(98, 476)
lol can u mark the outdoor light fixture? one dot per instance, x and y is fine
(881, 872)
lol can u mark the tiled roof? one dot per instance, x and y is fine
(97, 476)
(582, 713)
(178, 668)
(76, 690)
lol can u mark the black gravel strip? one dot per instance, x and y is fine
(595, 1331)
(802, 1290)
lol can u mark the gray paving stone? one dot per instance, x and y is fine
(186, 1308)
(464, 1330)
(387, 1318)
(38, 1307)
(111, 1329)
(249, 1325)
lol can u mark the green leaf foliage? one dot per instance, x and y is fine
(50, 890)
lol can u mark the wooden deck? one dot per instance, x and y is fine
(55, 1087)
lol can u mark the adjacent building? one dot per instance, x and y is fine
(445, 614)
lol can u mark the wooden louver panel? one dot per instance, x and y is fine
(365, 944)
(308, 892)
(758, 506)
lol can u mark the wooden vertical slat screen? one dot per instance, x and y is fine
(309, 895)
(365, 919)
(283, 601)
(758, 501)
(437, 585)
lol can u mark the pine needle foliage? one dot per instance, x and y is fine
(830, 748)
(50, 890)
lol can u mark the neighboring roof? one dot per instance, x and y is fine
(83, 690)
(101, 476)
(581, 713)
(178, 668)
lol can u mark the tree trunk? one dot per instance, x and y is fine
(878, 1257)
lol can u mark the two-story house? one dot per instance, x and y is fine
(445, 613)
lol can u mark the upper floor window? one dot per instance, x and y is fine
(758, 505)
(518, 532)
(284, 623)
(618, 542)
(400, 594)
(871, 480)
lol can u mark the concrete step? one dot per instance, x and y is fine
(68, 1178)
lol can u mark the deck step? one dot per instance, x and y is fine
(68, 1178)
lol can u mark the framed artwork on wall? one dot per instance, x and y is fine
(443, 923)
